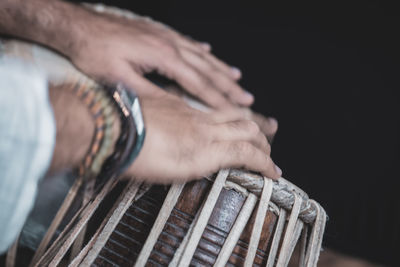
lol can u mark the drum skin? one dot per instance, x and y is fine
(127, 239)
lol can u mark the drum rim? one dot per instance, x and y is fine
(283, 194)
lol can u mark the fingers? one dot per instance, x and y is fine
(230, 71)
(268, 125)
(241, 144)
(219, 76)
(204, 50)
(197, 84)
(241, 130)
(214, 74)
(205, 46)
(244, 155)
(190, 43)
(226, 115)
(124, 73)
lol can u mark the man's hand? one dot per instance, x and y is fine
(114, 48)
(182, 143)
(268, 125)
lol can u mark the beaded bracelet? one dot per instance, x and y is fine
(98, 165)
(103, 113)
(126, 148)
(103, 102)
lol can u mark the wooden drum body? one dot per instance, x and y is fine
(156, 230)
(128, 238)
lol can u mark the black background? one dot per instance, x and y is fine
(329, 72)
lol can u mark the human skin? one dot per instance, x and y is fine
(185, 144)
(181, 143)
(116, 49)
(113, 49)
(74, 129)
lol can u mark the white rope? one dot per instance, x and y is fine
(282, 194)
(277, 238)
(293, 242)
(259, 222)
(56, 221)
(87, 196)
(290, 228)
(94, 246)
(166, 209)
(69, 235)
(236, 230)
(82, 223)
(202, 221)
(315, 242)
(303, 246)
(322, 223)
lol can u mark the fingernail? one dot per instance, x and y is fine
(248, 97)
(272, 121)
(278, 170)
(206, 46)
(236, 72)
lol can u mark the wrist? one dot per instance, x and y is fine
(74, 128)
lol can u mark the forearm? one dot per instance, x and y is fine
(74, 126)
(54, 23)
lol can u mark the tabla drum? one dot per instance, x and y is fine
(236, 218)
(233, 218)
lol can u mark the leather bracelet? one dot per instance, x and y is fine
(132, 134)
(137, 116)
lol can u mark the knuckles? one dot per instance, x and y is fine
(268, 146)
(251, 127)
(170, 51)
(242, 150)
(161, 45)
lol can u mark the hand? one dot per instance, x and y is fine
(116, 49)
(182, 143)
(268, 125)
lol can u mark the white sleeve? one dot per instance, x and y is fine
(27, 140)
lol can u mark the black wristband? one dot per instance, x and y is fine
(132, 134)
